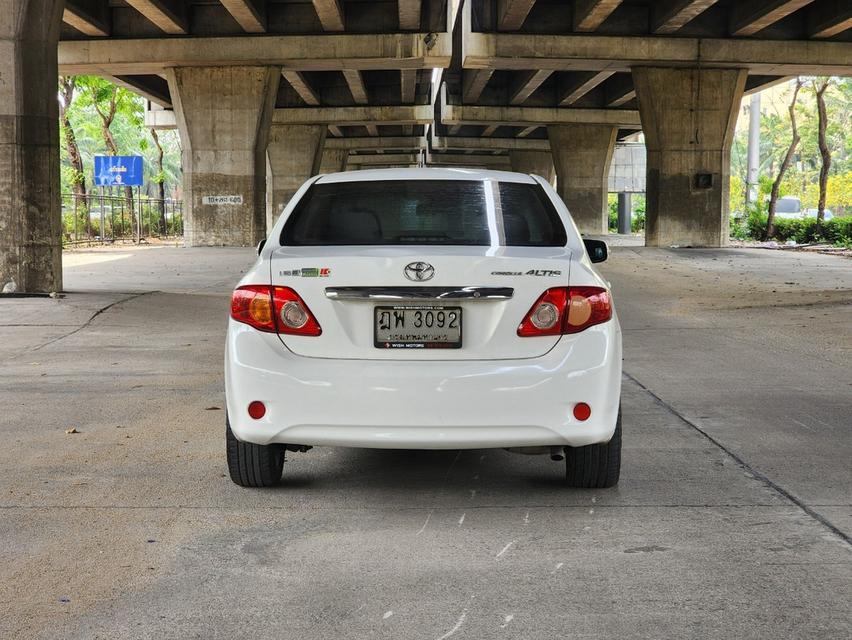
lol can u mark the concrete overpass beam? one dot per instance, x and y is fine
(223, 115)
(294, 154)
(30, 224)
(829, 18)
(668, 16)
(382, 160)
(688, 116)
(168, 15)
(539, 163)
(302, 87)
(409, 15)
(590, 14)
(582, 154)
(513, 13)
(88, 18)
(250, 15)
(334, 160)
(750, 17)
(330, 13)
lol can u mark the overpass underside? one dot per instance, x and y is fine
(267, 93)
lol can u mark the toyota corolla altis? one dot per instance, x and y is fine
(424, 309)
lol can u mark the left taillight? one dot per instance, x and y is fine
(292, 314)
(273, 309)
(563, 310)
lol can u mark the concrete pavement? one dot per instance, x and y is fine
(732, 519)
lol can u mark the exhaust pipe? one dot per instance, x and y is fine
(556, 453)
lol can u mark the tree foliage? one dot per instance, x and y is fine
(785, 161)
(820, 169)
(803, 176)
(105, 119)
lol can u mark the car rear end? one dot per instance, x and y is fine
(428, 309)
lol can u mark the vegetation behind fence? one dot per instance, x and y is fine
(96, 218)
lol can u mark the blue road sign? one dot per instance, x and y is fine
(114, 171)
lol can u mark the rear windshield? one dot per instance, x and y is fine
(425, 212)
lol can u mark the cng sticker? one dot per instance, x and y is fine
(307, 272)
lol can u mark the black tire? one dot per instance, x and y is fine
(595, 466)
(253, 465)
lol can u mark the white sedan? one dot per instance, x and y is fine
(424, 309)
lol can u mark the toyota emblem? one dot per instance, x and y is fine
(419, 271)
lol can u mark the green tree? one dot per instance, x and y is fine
(825, 153)
(107, 100)
(159, 179)
(785, 162)
(108, 119)
(76, 175)
(807, 174)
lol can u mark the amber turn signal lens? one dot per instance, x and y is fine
(260, 310)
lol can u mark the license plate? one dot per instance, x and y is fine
(418, 327)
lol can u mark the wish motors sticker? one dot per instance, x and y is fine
(307, 272)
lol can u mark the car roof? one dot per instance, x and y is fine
(424, 173)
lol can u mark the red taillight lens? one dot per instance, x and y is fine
(587, 306)
(551, 303)
(564, 310)
(252, 304)
(273, 309)
(292, 314)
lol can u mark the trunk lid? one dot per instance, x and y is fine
(515, 276)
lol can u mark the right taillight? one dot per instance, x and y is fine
(587, 306)
(564, 310)
(273, 309)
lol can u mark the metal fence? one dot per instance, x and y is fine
(105, 217)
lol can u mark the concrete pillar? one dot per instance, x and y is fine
(223, 116)
(334, 160)
(294, 153)
(582, 154)
(688, 116)
(539, 163)
(625, 211)
(30, 214)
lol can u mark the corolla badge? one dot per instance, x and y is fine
(419, 271)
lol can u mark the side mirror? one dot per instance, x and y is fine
(597, 249)
(260, 246)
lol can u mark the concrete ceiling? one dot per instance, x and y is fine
(508, 67)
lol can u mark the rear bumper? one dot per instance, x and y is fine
(409, 404)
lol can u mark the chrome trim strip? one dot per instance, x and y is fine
(419, 293)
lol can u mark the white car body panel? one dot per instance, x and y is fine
(495, 322)
(498, 390)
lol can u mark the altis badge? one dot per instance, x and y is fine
(307, 272)
(531, 272)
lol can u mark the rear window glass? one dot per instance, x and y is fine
(425, 212)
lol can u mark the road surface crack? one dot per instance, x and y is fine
(91, 319)
(746, 466)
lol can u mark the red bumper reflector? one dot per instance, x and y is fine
(257, 409)
(582, 411)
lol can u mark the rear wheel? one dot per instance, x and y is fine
(595, 466)
(253, 465)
